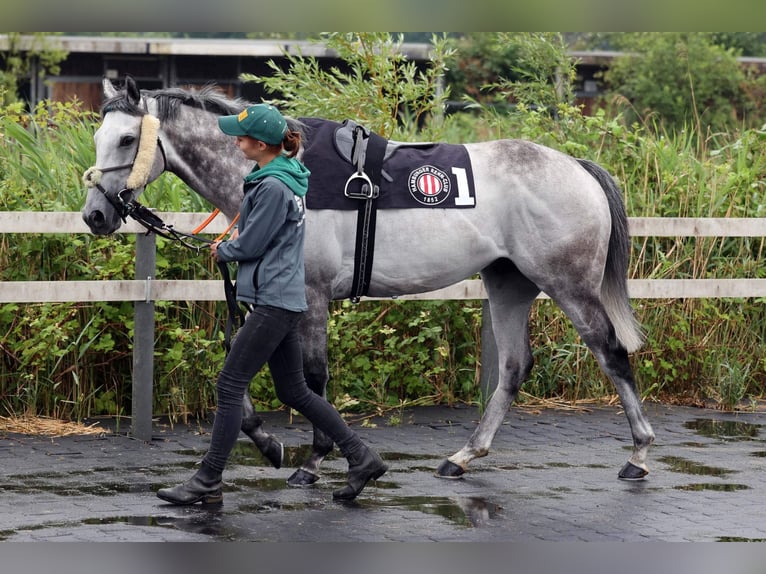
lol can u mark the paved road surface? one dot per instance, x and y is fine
(551, 476)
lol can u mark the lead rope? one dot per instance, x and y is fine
(235, 311)
(154, 223)
(210, 218)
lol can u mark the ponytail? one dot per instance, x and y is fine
(292, 143)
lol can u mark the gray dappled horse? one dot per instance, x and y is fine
(529, 219)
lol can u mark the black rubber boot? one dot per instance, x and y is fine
(362, 467)
(204, 486)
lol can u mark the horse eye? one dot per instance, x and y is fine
(126, 141)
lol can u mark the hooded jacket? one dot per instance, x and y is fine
(269, 248)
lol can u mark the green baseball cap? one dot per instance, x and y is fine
(261, 121)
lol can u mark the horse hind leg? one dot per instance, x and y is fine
(511, 296)
(597, 331)
(321, 445)
(315, 370)
(252, 426)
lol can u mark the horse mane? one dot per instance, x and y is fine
(169, 101)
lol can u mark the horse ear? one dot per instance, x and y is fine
(109, 90)
(134, 94)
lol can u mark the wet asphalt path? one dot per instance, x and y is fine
(551, 476)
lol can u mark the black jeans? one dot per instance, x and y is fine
(270, 335)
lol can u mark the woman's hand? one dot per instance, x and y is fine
(214, 250)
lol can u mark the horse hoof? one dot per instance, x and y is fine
(302, 478)
(632, 472)
(274, 451)
(448, 469)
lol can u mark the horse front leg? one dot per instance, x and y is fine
(510, 379)
(315, 370)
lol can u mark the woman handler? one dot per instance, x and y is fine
(269, 251)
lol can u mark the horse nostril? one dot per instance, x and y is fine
(94, 219)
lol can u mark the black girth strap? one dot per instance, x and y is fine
(369, 151)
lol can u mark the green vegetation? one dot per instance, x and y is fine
(74, 360)
(16, 63)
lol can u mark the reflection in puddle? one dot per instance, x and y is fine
(724, 430)
(469, 512)
(682, 465)
(464, 511)
(195, 519)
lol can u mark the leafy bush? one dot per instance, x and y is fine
(684, 78)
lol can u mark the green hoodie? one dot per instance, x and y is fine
(289, 171)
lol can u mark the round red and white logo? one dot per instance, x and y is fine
(429, 185)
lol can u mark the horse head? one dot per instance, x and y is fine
(129, 155)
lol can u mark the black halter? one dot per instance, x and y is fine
(121, 206)
(125, 206)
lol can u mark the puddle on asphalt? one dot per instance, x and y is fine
(31, 486)
(521, 467)
(247, 454)
(738, 539)
(468, 512)
(685, 466)
(391, 456)
(259, 484)
(728, 431)
(718, 487)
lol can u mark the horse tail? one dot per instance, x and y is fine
(614, 288)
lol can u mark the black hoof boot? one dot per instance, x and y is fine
(273, 451)
(450, 470)
(302, 477)
(632, 472)
(271, 448)
(205, 487)
(361, 469)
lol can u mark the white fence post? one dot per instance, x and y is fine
(143, 340)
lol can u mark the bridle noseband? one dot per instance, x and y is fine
(122, 202)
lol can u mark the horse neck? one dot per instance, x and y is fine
(206, 159)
